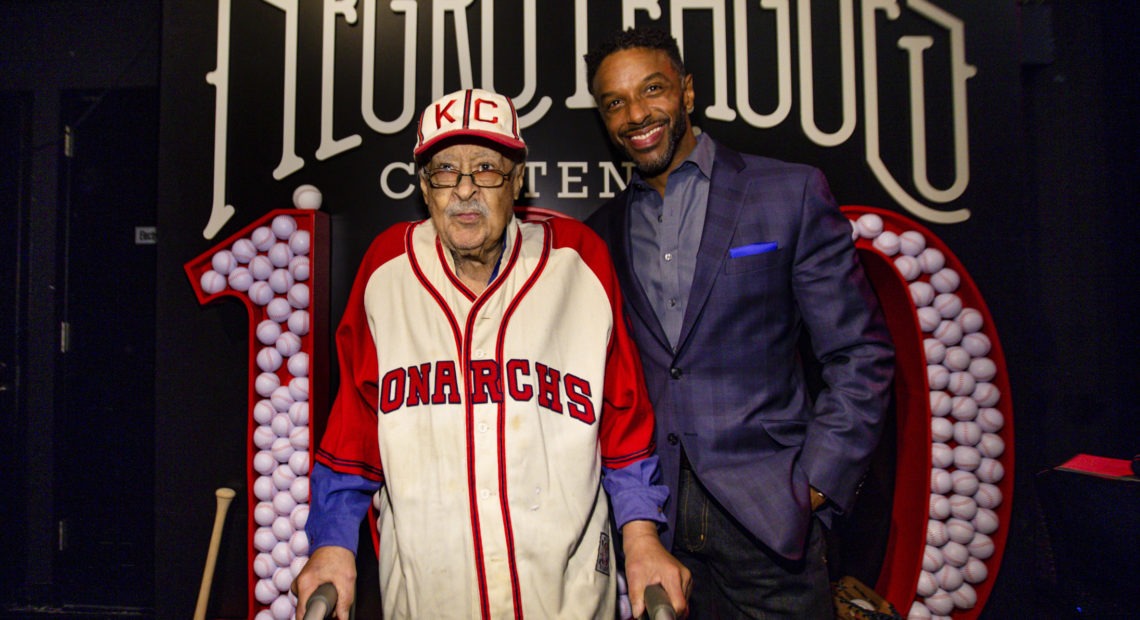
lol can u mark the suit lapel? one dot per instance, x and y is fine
(635, 296)
(727, 192)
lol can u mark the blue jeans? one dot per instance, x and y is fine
(737, 576)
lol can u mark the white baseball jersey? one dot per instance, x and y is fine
(488, 418)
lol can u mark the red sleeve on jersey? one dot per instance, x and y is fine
(350, 443)
(627, 415)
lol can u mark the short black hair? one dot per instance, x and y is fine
(651, 38)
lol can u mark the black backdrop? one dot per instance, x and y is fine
(202, 358)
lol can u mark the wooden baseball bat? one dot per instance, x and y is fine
(225, 496)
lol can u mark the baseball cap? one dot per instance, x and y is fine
(473, 113)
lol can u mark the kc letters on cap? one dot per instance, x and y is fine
(472, 112)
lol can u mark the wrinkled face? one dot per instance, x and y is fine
(644, 103)
(470, 219)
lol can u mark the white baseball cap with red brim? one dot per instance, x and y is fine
(469, 113)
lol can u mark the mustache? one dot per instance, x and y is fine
(467, 206)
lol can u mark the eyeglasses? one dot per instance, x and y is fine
(490, 178)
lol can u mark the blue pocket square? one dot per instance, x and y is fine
(751, 248)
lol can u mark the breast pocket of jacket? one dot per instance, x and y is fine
(750, 257)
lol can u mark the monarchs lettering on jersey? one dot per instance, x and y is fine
(437, 383)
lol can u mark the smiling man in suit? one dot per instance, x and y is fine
(727, 261)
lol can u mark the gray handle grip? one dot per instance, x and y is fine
(322, 603)
(657, 606)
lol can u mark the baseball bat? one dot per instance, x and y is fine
(657, 606)
(225, 496)
(322, 603)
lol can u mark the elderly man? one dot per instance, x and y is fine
(489, 392)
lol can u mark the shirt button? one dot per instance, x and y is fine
(675, 372)
(672, 303)
(668, 256)
(672, 439)
(660, 218)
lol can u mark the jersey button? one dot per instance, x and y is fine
(672, 439)
(675, 372)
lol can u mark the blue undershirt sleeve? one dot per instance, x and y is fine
(338, 503)
(635, 493)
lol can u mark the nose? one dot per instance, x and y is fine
(637, 110)
(466, 188)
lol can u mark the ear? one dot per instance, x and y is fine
(687, 89)
(517, 182)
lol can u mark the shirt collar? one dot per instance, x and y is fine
(702, 156)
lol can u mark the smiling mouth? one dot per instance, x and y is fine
(646, 138)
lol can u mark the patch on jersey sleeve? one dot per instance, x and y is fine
(603, 565)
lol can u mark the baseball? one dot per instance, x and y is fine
(869, 225)
(935, 350)
(265, 592)
(962, 507)
(280, 281)
(918, 611)
(949, 577)
(281, 553)
(948, 332)
(263, 565)
(932, 559)
(300, 489)
(977, 343)
(965, 457)
(928, 319)
(299, 413)
(263, 437)
(983, 368)
(907, 267)
(963, 408)
(212, 282)
(964, 482)
(307, 197)
(991, 420)
(299, 322)
(300, 242)
(931, 260)
(937, 377)
(927, 584)
(985, 521)
(945, 280)
(936, 533)
(263, 514)
(281, 398)
(288, 344)
(887, 242)
(961, 532)
(282, 449)
(260, 267)
(282, 528)
(283, 477)
(282, 578)
(990, 470)
(263, 488)
(940, 481)
(986, 394)
(299, 517)
(299, 543)
(224, 262)
(967, 433)
(982, 547)
(297, 564)
(940, 602)
(912, 243)
(264, 539)
(268, 331)
(941, 455)
(955, 553)
(243, 250)
(941, 430)
(299, 296)
(957, 358)
(921, 293)
(300, 268)
(282, 608)
(299, 388)
(278, 309)
(299, 462)
(283, 226)
(299, 438)
(284, 503)
(975, 571)
(263, 412)
(961, 384)
(988, 496)
(940, 403)
(280, 254)
(939, 507)
(240, 279)
(263, 461)
(260, 293)
(269, 360)
(262, 238)
(298, 364)
(992, 445)
(971, 320)
(964, 597)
